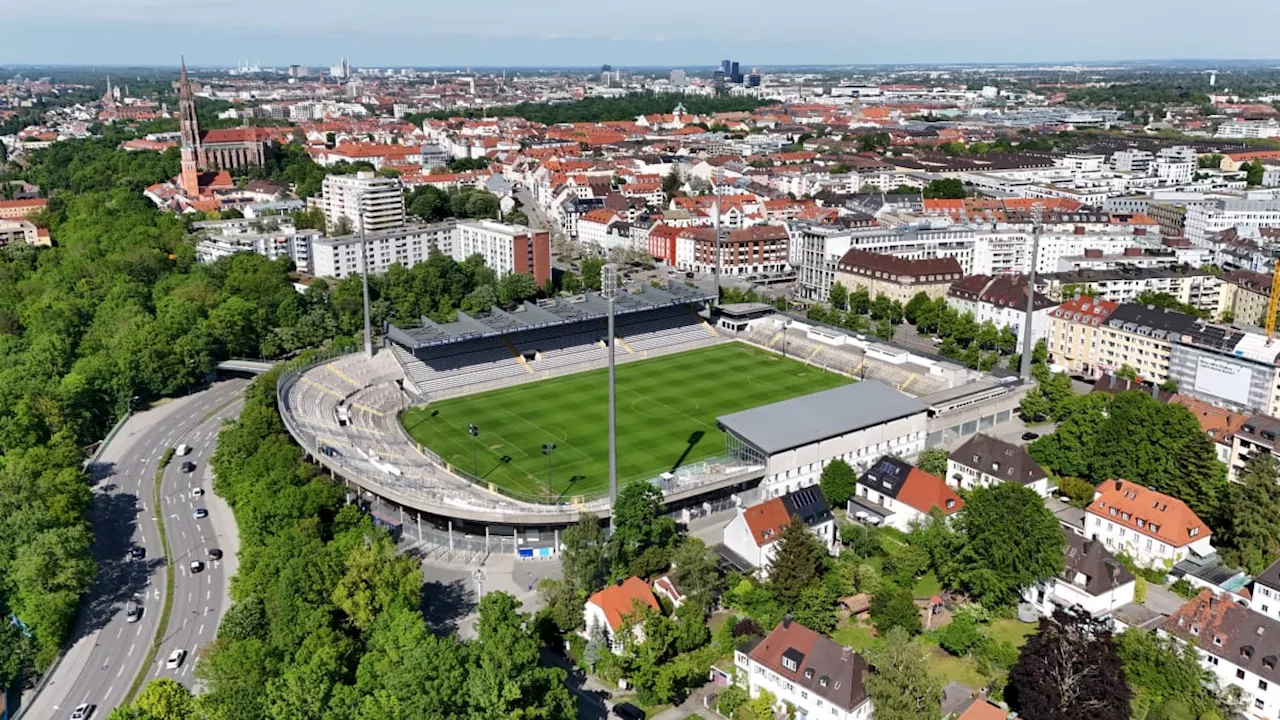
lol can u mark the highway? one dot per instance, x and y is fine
(107, 651)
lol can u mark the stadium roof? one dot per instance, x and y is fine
(545, 313)
(819, 416)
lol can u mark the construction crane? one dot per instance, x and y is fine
(1274, 301)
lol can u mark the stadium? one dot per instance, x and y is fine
(495, 425)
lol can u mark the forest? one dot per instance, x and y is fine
(607, 109)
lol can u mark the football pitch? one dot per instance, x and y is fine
(667, 410)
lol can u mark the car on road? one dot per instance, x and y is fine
(182, 450)
(137, 552)
(201, 513)
(132, 611)
(215, 554)
(175, 659)
(627, 711)
(188, 466)
(1029, 436)
(196, 566)
(197, 492)
(83, 710)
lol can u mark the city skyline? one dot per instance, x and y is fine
(558, 34)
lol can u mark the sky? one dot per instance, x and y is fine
(557, 33)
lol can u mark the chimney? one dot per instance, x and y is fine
(1119, 485)
(786, 621)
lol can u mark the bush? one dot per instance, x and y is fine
(1139, 589)
(1183, 588)
(894, 607)
(1078, 491)
(995, 657)
(960, 636)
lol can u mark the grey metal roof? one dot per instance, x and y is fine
(819, 416)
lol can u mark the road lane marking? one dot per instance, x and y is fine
(208, 595)
(131, 647)
(121, 672)
(201, 630)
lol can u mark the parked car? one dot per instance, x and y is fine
(138, 552)
(1029, 436)
(175, 659)
(627, 711)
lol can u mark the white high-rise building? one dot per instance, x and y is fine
(339, 257)
(678, 78)
(368, 202)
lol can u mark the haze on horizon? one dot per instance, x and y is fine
(664, 32)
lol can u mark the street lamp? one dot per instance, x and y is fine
(786, 324)
(474, 431)
(478, 576)
(546, 450)
(1028, 342)
(609, 289)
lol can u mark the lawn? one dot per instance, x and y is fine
(667, 409)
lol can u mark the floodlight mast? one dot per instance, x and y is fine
(609, 289)
(1028, 342)
(717, 180)
(364, 278)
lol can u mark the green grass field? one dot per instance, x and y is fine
(667, 410)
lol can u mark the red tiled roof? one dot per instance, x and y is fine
(1085, 309)
(33, 203)
(617, 600)
(766, 520)
(983, 710)
(1150, 513)
(924, 492)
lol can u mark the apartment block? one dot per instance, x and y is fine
(374, 204)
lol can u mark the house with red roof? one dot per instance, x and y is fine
(752, 536)
(895, 493)
(618, 607)
(1152, 528)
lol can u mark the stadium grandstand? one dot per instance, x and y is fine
(549, 338)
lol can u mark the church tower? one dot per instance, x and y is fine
(190, 130)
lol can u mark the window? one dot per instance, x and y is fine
(1239, 674)
(1262, 684)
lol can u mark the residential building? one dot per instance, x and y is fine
(593, 229)
(20, 209)
(1266, 592)
(338, 257)
(618, 606)
(661, 242)
(794, 439)
(760, 249)
(1154, 529)
(754, 532)
(1074, 327)
(1198, 288)
(374, 204)
(1257, 435)
(1203, 219)
(896, 278)
(1002, 301)
(983, 461)
(18, 232)
(1092, 580)
(506, 249)
(818, 249)
(1140, 337)
(900, 495)
(273, 238)
(806, 671)
(1250, 295)
(1229, 367)
(1239, 647)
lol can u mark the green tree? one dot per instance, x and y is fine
(1161, 670)
(839, 296)
(166, 699)
(516, 288)
(695, 570)
(945, 189)
(591, 272)
(893, 607)
(933, 461)
(919, 303)
(507, 679)
(899, 684)
(583, 559)
(838, 483)
(643, 537)
(1253, 506)
(860, 301)
(1010, 542)
(377, 579)
(797, 562)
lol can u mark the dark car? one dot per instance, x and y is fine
(188, 466)
(137, 553)
(1029, 436)
(627, 711)
(215, 554)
